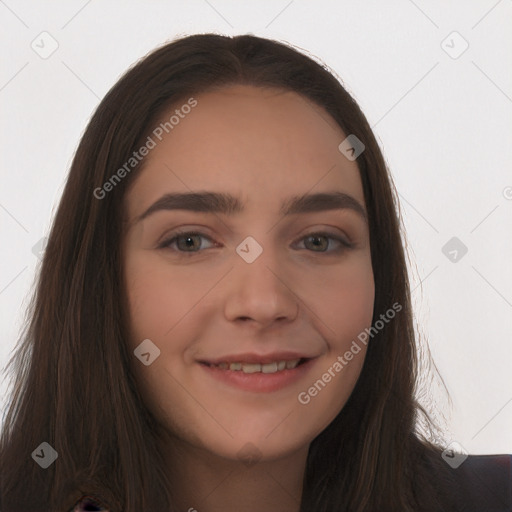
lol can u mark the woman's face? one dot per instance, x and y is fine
(256, 286)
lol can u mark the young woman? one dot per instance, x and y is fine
(223, 318)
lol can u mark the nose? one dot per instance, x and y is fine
(259, 292)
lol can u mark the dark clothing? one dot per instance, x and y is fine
(485, 484)
(482, 483)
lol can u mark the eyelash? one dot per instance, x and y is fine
(178, 234)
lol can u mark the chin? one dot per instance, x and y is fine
(258, 448)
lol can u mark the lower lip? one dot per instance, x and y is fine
(259, 382)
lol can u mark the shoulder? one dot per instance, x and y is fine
(482, 483)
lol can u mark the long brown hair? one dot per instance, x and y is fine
(73, 386)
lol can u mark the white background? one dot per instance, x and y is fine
(444, 124)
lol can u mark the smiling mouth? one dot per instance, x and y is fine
(272, 367)
(264, 376)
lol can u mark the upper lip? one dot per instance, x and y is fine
(257, 358)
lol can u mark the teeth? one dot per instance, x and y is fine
(269, 368)
(275, 366)
(251, 368)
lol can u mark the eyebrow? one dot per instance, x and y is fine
(216, 202)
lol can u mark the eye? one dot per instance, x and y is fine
(320, 240)
(187, 241)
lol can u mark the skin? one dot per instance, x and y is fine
(262, 145)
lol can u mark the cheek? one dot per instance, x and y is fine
(149, 299)
(155, 310)
(342, 299)
(352, 305)
(157, 297)
(344, 302)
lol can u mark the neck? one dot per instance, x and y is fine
(205, 482)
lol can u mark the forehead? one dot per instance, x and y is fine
(255, 142)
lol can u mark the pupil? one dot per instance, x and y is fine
(189, 241)
(316, 239)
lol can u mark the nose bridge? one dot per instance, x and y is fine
(259, 290)
(255, 264)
